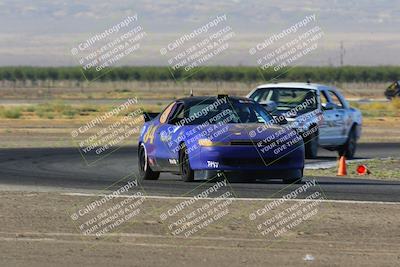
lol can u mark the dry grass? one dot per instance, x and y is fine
(10, 113)
(156, 90)
(59, 110)
(379, 109)
(388, 169)
(381, 129)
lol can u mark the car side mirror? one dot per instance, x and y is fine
(329, 106)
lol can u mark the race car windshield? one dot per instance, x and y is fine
(287, 98)
(238, 111)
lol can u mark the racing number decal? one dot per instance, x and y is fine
(149, 135)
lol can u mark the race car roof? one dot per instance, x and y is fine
(314, 86)
(196, 99)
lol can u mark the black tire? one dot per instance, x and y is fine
(145, 171)
(349, 148)
(187, 174)
(311, 145)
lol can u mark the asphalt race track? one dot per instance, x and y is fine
(63, 169)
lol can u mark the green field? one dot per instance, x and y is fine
(209, 73)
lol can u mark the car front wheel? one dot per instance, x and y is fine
(187, 173)
(311, 146)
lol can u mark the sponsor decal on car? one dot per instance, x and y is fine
(212, 164)
(149, 135)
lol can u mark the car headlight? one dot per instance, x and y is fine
(208, 142)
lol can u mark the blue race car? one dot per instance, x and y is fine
(203, 137)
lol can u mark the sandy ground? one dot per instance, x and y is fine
(36, 230)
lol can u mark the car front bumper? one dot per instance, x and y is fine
(248, 158)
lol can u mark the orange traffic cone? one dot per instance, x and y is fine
(342, 170)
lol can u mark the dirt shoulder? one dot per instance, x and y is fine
(378, 169)
(37, 230)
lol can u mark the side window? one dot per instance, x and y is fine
(265, 96)
(335, 99)
(177, 114)
(260, 95)
(164, 115)
(324, 98)
(256, 95)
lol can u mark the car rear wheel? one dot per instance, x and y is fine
(145, 172)
(187, 173)
(311, 146)
(349, 148)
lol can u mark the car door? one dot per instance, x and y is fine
(166, 136)
(332, 126)
(154, 145)
(340, 118)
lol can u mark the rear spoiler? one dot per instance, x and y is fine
(148, 116)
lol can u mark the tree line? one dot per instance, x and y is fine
(209, 73)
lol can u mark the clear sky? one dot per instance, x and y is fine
(42, 32)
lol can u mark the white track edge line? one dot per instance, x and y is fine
(244, 199)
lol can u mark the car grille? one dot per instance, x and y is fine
(258, 161)
(250, 143)
(244, 142)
